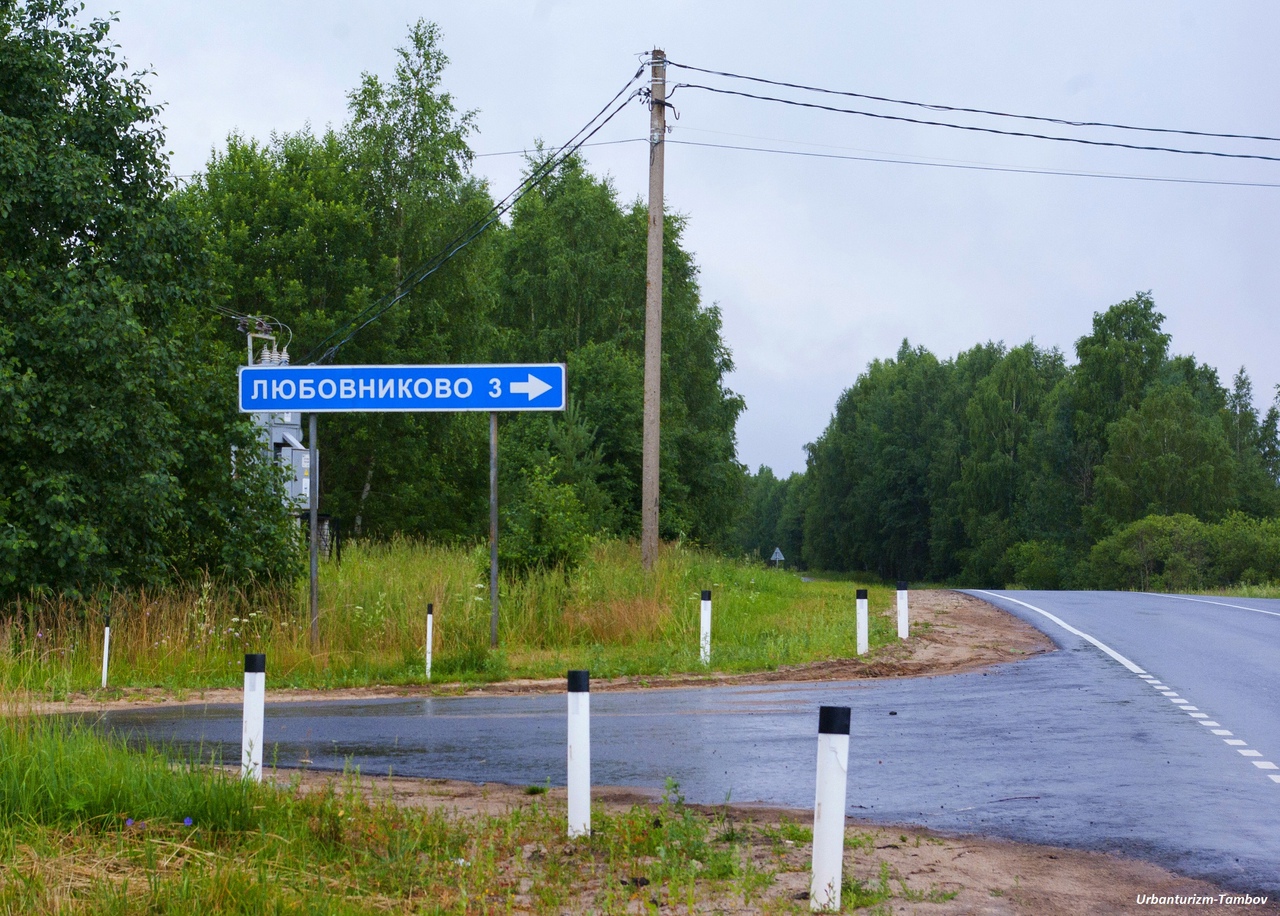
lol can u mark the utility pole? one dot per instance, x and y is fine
(653, 316)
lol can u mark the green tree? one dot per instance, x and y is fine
(1125, 353)
(997, 484)
(116, 422)
(571, 288)
(317, 230)
(1166, 457)
(1253, 441)
(772, 516)
(871, 473)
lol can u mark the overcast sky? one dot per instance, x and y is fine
(821, 265)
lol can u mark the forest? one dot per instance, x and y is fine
(125, 297)
(1131, 468)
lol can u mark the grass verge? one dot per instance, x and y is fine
(87, 826)
(605, 616)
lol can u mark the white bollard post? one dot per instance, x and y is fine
(429, 616)
(828, 807)
(579, 753)
(863, 640)
(704, 642)
(902, 610)
(106, 650)
(255, 696)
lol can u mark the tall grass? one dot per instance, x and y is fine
(88, 826)
(606, 615)
(55, 773)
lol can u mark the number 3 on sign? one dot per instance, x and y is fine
(495, 390)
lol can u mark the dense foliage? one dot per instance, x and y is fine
(117, 421)
(1131, 468)
(116, 400)
(311, 229)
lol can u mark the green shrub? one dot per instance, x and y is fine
(1037, 564)
(1181, 553)
(546, 525)
(1156, 553)
(1244, 550)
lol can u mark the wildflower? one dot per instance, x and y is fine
(186, 821)
(128, 822)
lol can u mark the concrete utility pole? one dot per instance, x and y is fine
(653, 316)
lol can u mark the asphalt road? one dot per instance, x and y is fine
(1129, 740)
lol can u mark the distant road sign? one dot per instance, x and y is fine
(777, 555)
(334, 389)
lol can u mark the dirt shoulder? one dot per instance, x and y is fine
(951, 632)
(927, 873)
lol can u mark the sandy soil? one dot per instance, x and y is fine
(952, 633)
(986, 876)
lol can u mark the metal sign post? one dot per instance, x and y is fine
(479, 387)
(493, 530)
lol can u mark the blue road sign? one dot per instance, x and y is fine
(333, 389)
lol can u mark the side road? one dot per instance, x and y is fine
(897, 869)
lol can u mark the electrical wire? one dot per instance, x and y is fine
(977, 167)
(982, 111)
(325, 350)
(969, 127)
(525, 152)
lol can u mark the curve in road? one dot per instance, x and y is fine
(1094, 746)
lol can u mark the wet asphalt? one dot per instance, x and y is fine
(1071, 748)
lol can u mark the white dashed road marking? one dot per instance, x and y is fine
(1241, 747)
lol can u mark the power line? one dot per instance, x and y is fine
(525, 152)
(970, 127)
(536, 176)
(1018, 170)
(982, 111)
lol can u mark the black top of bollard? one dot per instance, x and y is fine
(862, 593)
(429, 608)
(706, 594)
(579, 682)
(902, 585)
(107, 624)
(255, 663)
(833, 720)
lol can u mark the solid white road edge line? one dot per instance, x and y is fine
(1238, 607)
(1200, 717)
(1070, 629)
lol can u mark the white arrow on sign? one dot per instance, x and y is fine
(534, 387)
